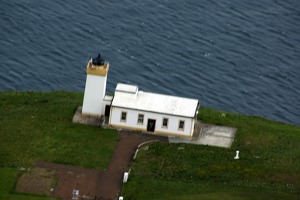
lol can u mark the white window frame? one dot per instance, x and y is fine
(143, 119)
(123, 120)
(181, 129)
(162, 123)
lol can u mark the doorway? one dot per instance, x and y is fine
(107, 111)
(151, 125)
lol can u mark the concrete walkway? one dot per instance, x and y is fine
(207, 134)
(78, 118)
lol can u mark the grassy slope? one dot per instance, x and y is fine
(269, 164)
(152, 188)
(38, 126)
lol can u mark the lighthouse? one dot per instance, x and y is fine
(131, 108)
(95, 87)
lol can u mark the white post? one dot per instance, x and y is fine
(125, 177)
(75, 194)
(135, 154)
(120, 198)
(237, 155)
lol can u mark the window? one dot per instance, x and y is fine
(165, 122)
(181, 125)
(140, 119)
(123, 116)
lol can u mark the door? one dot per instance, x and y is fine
(151, 125)
(107, 110)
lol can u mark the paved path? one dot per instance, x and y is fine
(110, 182)
(209, 134)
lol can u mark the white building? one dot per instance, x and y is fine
(132, 109)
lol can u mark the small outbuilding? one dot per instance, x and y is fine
(133, 109)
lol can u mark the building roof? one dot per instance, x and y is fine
(108, 98)
(127, 88)
(128, 96)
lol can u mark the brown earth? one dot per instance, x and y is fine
(37, 181)
(92, 184)
(70, 178)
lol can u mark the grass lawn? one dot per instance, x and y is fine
(151, 188)
(38, 126)
(268, 168)
(7, 181)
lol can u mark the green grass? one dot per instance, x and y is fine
(269, 160)
(151, 188)
(38, 126)
(7, 181)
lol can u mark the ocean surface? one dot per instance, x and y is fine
(235, 55)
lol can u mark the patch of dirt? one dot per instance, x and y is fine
(71, 178)
(37, 181)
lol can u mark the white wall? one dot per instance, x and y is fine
(132, 117)
(94, 92)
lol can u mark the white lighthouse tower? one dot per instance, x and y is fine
(95, 87)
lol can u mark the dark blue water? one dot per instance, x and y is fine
(236, 55)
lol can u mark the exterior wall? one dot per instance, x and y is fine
(132, 122)
(94, 92)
